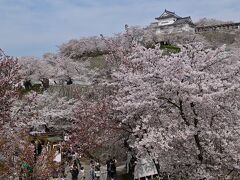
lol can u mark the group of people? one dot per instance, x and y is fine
(72, 160)
(77, 167)
(94, 172)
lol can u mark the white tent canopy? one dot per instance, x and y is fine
(144, 167)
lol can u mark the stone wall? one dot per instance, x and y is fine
(232, 27)
(174, 29)
(70, 91)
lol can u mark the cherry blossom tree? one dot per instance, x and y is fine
(30, 67)
(96, 131)
(19, 113)
(9, 80)
(97, 46)
(76, 49)
(210, 22)
(37, 109)
(63, 69)
(56, 69)
(26, 165)
(145, 36)
(27, 113)
(184, 108)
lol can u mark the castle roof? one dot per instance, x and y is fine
(167, 14)
(184, 20)
(179, 20)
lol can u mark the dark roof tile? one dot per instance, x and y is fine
(169, 15)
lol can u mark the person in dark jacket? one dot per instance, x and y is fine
(74, 171)
(111, 169)
(108, 167)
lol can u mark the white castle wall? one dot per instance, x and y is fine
(167, 21)
(175, 29)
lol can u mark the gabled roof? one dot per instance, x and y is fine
(167, 14)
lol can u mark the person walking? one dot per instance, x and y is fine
(82, 173)
(108, 168)
(74, 171)
(111, 169)
(77, 160)
(97, 170)
(62, 171)
(92, 170)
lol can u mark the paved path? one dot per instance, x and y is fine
(86, 165)
(120, 170)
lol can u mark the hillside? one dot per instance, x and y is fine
(84, 62)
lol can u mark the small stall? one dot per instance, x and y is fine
(42, 136)
(145, 169)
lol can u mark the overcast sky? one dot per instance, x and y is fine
(34, 27)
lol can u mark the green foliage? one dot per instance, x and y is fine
(36, 87)
(170, 48)
(25, 165)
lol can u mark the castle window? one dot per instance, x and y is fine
(164, 22)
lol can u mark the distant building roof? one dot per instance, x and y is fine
(167, 14)
(183, 20)
(179, 20)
